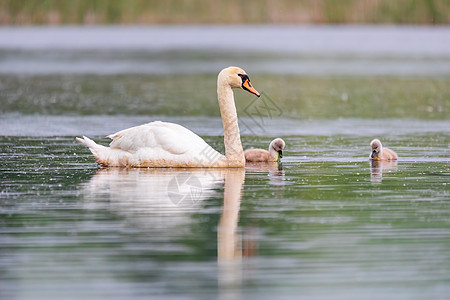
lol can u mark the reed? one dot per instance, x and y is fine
(45, 12)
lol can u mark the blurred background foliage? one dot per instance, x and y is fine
(55, 12)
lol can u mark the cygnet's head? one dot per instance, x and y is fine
(278, 145)
(376, 147)
(235, 77)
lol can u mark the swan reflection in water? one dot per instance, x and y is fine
(377, 167)
(152, 198)
(167, 198)
(231, 247)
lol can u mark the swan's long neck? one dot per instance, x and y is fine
(232, 138)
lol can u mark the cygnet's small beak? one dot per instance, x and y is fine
(281, 153)
(373, 154)
(246, 85)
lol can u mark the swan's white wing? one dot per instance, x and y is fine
(159, 136)
(156, 144)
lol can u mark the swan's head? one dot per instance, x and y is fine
(235, 77)
(278, 145)
(376, 147)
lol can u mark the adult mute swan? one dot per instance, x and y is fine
(162, 144)
(259, 155)
(381, 153)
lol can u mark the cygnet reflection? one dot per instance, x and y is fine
(378, 167)
(273, 168)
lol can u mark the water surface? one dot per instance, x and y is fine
(317, 50)
(323, 224)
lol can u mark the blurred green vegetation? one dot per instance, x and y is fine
(192, 95)
(26, 12)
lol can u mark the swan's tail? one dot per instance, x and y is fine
(105, 155)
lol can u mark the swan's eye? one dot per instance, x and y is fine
(246, 85)
(244, 77)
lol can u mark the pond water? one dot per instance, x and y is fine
(317, 50)
(323, 224)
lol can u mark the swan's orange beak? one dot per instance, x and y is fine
(246, 85)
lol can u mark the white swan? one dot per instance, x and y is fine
(161, 144)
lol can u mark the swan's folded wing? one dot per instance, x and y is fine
(169, 137)
(133, 138)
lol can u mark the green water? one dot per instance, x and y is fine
(187, 95)
(323, 224)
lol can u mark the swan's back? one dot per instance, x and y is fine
(155, 144)
(169, 137)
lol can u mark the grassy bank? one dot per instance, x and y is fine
(27, 12)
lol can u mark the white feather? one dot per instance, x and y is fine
(154, 144)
